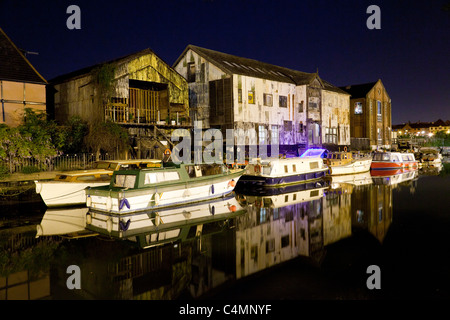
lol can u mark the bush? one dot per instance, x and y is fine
(30, 169)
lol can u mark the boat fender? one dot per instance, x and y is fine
(88, 218)
(345, 149)
(232, 183)
(212, 209)
(212, 189)
(124, 226)
(156, 197)
(232, 208)
(123, 202)
(109, 225)
(88, 201)
(157, 219)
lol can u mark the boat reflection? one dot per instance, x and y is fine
(155, 227)
(64, 222)
(394, 177)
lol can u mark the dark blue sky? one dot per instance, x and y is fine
(410, 53)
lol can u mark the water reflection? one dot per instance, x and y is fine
(191, 250)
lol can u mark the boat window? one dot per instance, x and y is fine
(395, 158)
(405, 158)
(125, 181)
(190, 171)
(155, 177)
(101, 165)
(294, 168)
(62, 177)
(385, 156)
(286, 198)
(286, 170)
(314, 165)
(267, 170)
(211, 169)
(86, 178)
(106, 177)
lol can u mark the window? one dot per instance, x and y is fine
(294, 168)
(274, 135)
(191, 72)
(268, 100)
(379, 111)
(300, 107)
(358, 108)
(283, 101)
(251, 97)
(240, 95)
(155, 177)
(286, 170)
(331, 135)
(261, 135)
(125, 181)
(301, 127)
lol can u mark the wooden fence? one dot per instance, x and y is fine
(65, 162)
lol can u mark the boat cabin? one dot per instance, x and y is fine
(338, 158)
(171, 173)
(393, 157)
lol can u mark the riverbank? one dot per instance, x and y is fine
(20, 187)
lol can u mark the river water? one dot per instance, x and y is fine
(358, 237)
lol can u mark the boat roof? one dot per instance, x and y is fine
(313, 153)
(84, 172)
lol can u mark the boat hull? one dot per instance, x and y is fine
(248, 180)
(60, 194)
(127, 201)
(357, 166)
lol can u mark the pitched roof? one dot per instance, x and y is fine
(13, 64)
(359, 90)
(232, 64)
(86, 70)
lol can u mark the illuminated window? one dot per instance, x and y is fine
(251, 97)
(358, 108)
(240, 95)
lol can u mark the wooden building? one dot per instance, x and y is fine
(139, 91)
(293, 108)
(21, 86)
(370, 114)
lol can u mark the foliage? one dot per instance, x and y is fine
(70, 138)
(107, 136)
(104, 77)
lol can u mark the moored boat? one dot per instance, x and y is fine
(347, 163)
(393, 161)
(68, 187)
(430, 156)
(274, 172)
(174, 184)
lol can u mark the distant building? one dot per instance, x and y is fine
(139, 91)
(370, 113)
(21, 86)
(295, 109)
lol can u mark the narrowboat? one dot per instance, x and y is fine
(171, 185)
(68, 187)
(274, 172)
(393, 161)
(344, 162)
(155, 227)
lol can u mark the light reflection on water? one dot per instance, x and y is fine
(193, 251)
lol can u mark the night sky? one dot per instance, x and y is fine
(410, 53)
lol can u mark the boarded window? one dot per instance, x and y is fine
(220, 101)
